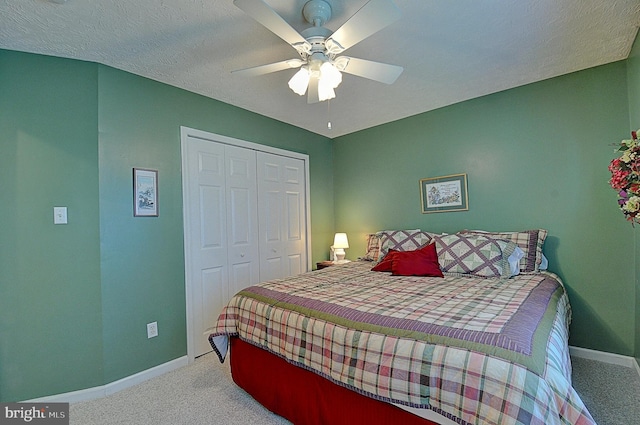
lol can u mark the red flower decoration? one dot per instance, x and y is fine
(625, 178)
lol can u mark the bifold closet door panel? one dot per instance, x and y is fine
(207, 237)
(282, 215)
(242, 218)
(245, 222)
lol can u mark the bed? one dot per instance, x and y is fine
(427, 328)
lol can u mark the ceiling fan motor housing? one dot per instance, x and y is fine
(317, 12)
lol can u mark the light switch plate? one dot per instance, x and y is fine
(59, 215)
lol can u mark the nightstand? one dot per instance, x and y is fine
(324, 264)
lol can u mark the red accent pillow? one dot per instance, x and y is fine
(421, 262)
(385, 264)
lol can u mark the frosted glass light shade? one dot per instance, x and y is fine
(328, 79)
(330, 75)
(299, 82)
(325, 91)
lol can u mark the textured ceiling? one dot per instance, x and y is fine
(450, 50)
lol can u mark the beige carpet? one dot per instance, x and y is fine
(203, 393)
(610, 392)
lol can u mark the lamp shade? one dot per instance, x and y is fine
(299, 82)
(330, 78)
(340, 241)
(330, 75)
(325, 91)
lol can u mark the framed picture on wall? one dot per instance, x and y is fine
(145, 192)
(444, 194)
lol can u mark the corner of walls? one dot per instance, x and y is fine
(73, 313)
(633, 84)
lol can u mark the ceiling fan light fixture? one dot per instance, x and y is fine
(325, 90)
(299, 82)
(319, 47)
(330, 75)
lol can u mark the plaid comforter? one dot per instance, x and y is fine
(478, 351)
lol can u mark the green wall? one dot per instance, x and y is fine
(536, 157)
(633, 78)
(75, 298)
(50, 303)
(143, 258)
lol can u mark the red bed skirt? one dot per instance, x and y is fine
(304, 397)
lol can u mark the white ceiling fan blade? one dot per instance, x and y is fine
(266, 69)
(312, 91)
(377, 71)
(371, 18)
(264, 14)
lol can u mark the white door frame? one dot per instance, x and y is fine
(185, 133)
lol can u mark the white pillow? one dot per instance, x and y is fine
(544, 263)
(514, 260)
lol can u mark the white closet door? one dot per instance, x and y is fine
(228, 225)
(242, 218)
(282, 216)
(208, 269)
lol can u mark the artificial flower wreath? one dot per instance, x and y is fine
(625, 177)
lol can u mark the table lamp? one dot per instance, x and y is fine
(340, 242)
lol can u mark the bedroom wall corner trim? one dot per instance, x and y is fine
(601, 356)
(114, 387)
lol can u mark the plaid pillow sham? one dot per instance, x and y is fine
(379, 243)
(530, 241)
(373, 247)
(476, 255)
(402, 240)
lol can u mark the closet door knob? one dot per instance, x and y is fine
(242, 255)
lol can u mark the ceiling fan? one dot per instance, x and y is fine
(319, 49)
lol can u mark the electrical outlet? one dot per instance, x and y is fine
(152, 329)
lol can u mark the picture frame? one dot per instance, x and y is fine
(444, 194)
(145, 192)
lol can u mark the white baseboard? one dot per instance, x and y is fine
(114, 387)
(601, 356)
